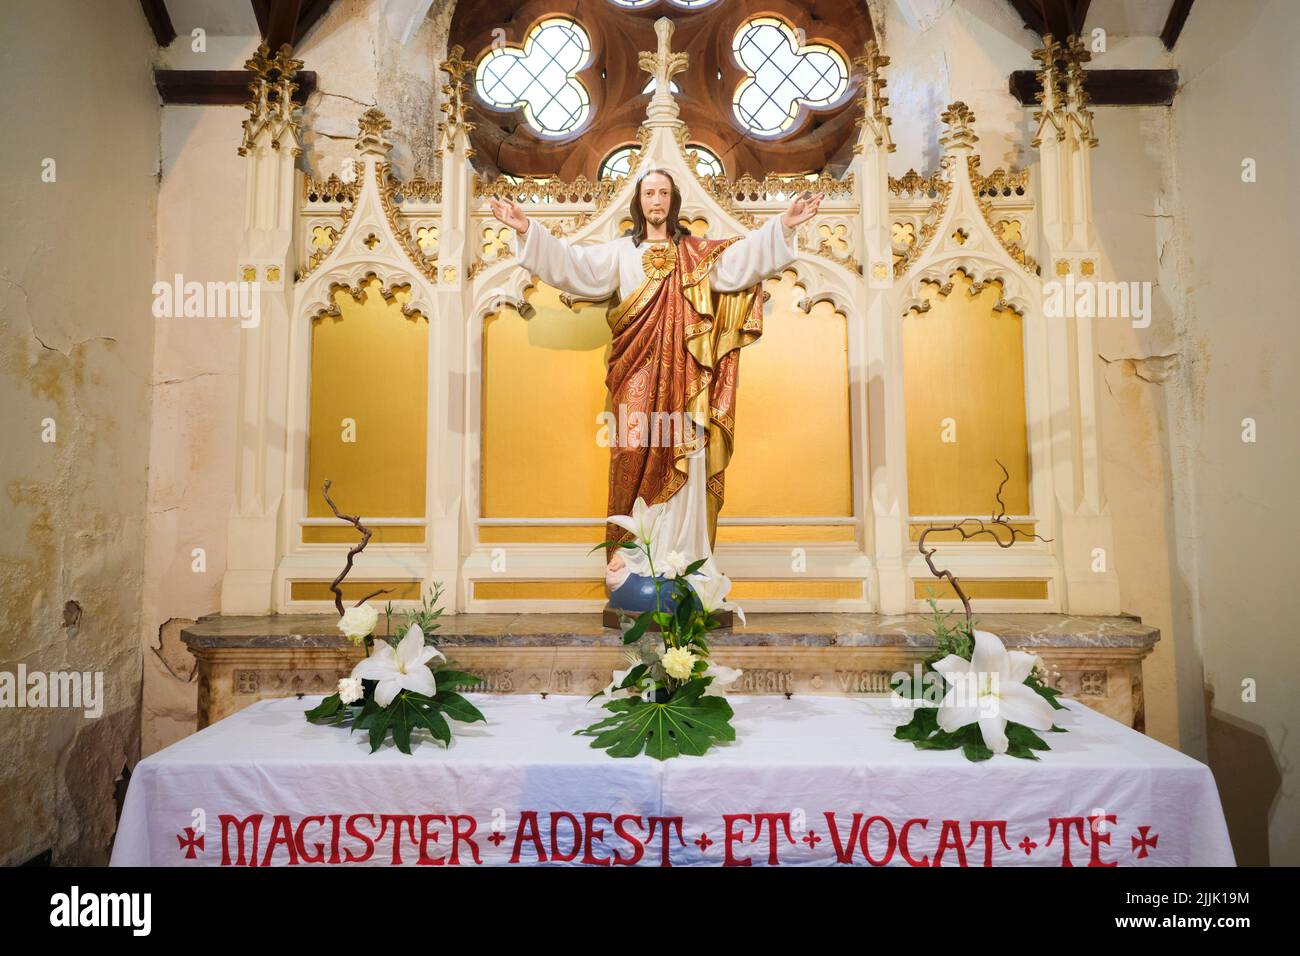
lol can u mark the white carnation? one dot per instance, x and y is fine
(675, 564)
(350, 689)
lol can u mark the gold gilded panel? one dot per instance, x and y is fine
(354, 590)
(543, 388)
(541, 534)
(791, 589)
(792, 452)
(999, 589)
(369, 388)
(964, 393)
(550, 590)
(346, 534)
(786, 532)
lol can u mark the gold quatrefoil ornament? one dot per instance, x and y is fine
(659, 260)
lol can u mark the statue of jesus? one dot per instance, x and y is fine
(685, 308)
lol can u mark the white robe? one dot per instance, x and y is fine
(596, 271)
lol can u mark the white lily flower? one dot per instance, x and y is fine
(713, 590)
(989, 689)
(406, 668)
(723, 678)
(643, 522)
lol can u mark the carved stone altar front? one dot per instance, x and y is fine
(1096, 660)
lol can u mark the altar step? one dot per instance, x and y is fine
(241, 659)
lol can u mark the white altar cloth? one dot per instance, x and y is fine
(808, 781)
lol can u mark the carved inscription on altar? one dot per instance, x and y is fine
(281, 682)
(862, 682)
(494, 680)
(765, 682)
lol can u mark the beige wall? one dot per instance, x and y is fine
(1235, 249)
(76, 343)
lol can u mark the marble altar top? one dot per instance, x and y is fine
(783, 629)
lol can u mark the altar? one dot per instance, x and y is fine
(504, 436)
(809, 781)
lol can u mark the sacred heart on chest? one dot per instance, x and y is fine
(658, 261)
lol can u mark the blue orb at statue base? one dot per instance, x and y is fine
(636, 595)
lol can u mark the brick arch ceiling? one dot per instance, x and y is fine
(819, 139)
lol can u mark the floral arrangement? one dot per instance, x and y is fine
(666, 702)
(396, 688)
(976, 695)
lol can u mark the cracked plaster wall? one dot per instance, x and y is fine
(76, 343)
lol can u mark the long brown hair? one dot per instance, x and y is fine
(675, 231)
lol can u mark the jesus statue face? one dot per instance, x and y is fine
(656, 200)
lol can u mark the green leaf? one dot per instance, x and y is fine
(631, 543)
(456, 707)
(686, 724)
(379, 727)
(1020, 750)
(326, 710)
(451, 678)
(437, 726)
(1047, 693)
(368, 713)
(976, 752)
(633, 676)
(633, 633)
(694, 566)
(401, 724)
(1024, 736)
(925, 721)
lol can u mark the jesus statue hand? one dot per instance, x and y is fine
(803, 208)
(510, 214)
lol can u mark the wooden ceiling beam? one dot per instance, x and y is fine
(1174, 22)
(1061, 18)
(217, 87)
(262, 11)
(1109, 87)
(160, 21)
(281, 23)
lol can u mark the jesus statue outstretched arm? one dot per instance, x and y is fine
(754, 257)
(587, 271)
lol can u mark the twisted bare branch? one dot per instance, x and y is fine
(998, 520)
(356, 549)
